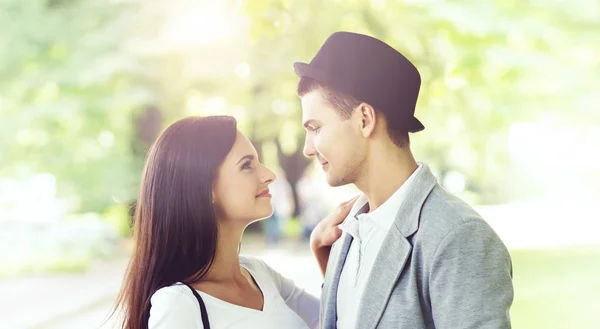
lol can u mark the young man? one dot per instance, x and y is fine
(411, 255)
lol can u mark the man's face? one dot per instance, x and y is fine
(336, 143)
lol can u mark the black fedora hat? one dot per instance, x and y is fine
(371, 71)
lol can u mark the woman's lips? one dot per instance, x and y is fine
(264, 194)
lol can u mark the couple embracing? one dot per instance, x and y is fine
(405, 253)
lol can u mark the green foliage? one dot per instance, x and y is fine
(66, 98)
(485, 65)
(118, 216)
(75, 74)
(292, 228)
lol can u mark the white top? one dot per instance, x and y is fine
(285, 305)
(368, 231)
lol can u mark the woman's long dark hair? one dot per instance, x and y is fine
(175, 225)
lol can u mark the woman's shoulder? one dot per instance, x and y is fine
(177, 292)
(253, 263)
(259, 267)
(174, 307)
(177, 297)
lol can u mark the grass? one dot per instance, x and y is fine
(557, 288)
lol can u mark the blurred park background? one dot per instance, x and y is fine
(509, 99)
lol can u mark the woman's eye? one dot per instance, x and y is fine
(247, 165)
(316, 130)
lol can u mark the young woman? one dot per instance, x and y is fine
(201, 187)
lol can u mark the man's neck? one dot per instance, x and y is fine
(385, 172)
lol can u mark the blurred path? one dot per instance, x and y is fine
(83, 300)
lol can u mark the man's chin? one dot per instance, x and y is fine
(334, 181)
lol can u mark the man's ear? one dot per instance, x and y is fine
(368, 119)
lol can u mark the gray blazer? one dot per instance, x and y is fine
(440, 266)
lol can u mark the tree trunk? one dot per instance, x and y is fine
(294, 166)
(147, 127)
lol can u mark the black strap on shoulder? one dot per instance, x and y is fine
(203, 312)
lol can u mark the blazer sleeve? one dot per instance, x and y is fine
(471, 279)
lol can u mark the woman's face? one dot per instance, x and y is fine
(240, 191)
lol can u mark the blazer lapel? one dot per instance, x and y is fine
(394, 252)
(385, 273)
(332, 278)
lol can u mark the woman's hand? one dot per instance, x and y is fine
(327, 232)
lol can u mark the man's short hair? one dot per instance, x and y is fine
(344, 104)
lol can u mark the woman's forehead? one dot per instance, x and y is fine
(241, 147)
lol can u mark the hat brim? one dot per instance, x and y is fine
(415, 125)
(302, 69)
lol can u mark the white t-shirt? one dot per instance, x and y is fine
(285, 305)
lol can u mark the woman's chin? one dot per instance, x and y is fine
(266, 214)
